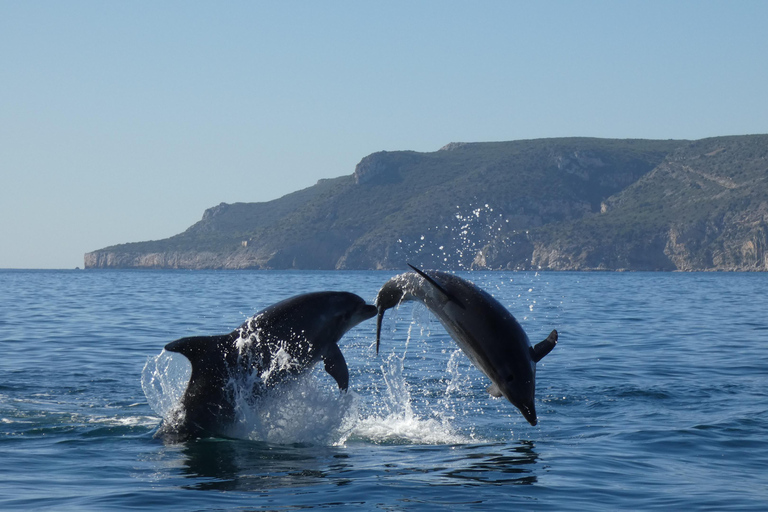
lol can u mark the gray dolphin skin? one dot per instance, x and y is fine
(488, 334)
(283, 340)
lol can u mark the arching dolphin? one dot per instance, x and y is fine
(487, 333)
(283, 340)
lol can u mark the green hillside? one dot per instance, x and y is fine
(520, 204)
(704, 208)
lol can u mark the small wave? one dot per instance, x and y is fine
(125, 421)
(64, 425)
(650, 393)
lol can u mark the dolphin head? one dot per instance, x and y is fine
(351, 309)
(516, 381)
(519, 388)
(523, 401)
(324, 317)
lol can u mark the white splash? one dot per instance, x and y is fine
(395, 421)
(308, 409)
(407, 429)
(164, 380)
(467, 232)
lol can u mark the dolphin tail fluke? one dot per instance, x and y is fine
(544, 347)
(196, 348)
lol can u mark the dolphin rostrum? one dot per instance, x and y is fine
(283, 340)
(487, 333)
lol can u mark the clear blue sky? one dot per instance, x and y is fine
(124, 121)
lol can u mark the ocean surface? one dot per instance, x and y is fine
(656, 397)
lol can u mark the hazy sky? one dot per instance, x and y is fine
(124, 121)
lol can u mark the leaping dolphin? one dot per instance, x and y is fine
(488, 334)
(283, 340)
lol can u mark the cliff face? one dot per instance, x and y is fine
(704, 208)
(561, 204)
(167, 260)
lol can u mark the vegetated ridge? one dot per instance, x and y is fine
(557, 204)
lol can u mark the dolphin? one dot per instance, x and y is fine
(488, 334)
(281, 341)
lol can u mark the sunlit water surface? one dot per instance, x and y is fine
(656, 397)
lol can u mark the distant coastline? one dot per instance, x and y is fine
(580, 204)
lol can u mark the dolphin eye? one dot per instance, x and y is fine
(511, 377)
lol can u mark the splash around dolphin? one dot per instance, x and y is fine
(281, 341)
(485, 331)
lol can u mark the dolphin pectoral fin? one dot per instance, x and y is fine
(440, 287)
(544, 347)
(494, 390)
(336, 366)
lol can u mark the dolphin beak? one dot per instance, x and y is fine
(379, 319)
(363, 314)
(369, 311)
(529, 413)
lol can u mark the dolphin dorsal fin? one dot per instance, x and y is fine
(440, 287)
(544, 347)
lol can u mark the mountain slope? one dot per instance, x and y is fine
(520, 204)
(705, 207)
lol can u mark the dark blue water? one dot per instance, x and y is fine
(656, 397)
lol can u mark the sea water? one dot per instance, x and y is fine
(656, 397)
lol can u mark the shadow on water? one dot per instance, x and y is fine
(250, 466)
(497, 464)
(225, 465)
